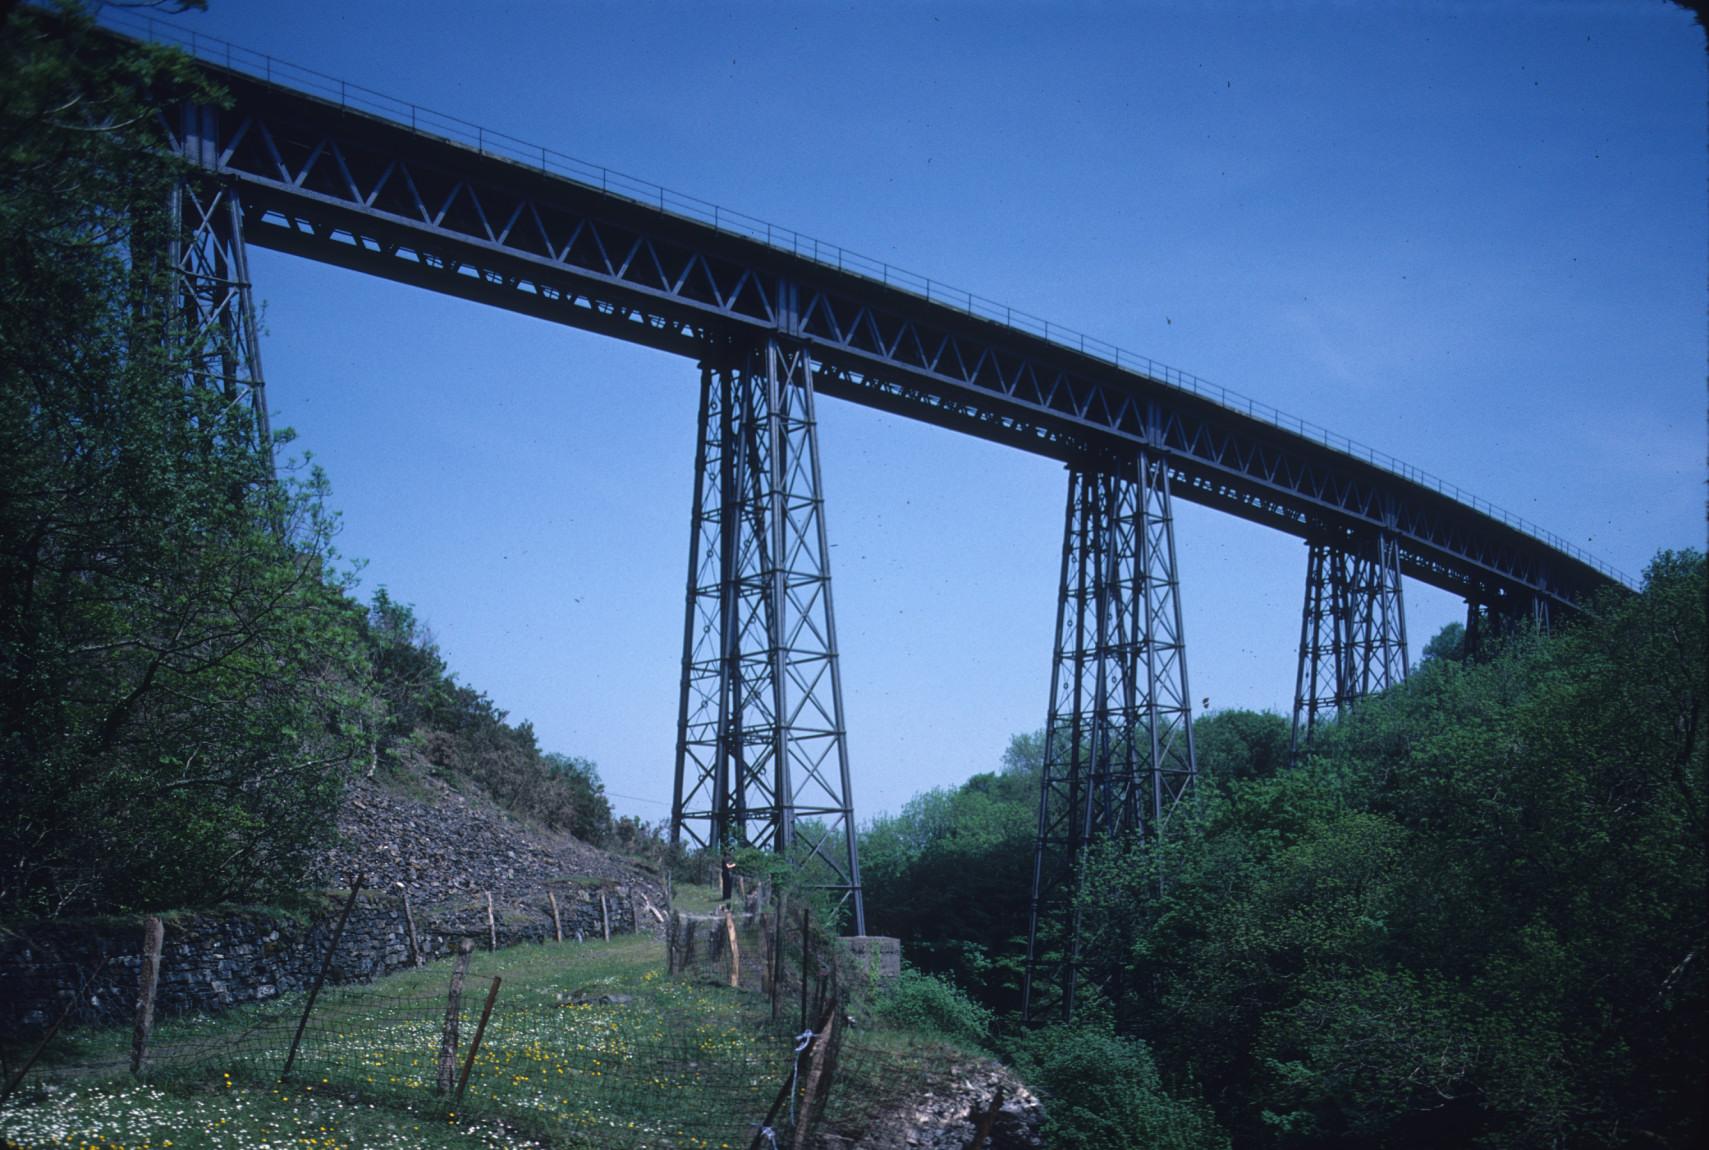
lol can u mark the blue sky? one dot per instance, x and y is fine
(1471, 235)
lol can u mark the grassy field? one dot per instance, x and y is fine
(670, 1063)
(588, 1045)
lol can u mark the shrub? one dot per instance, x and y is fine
(921, 1001)
(1102, 1092)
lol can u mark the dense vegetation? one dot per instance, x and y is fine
(1475, 916)
(185, 682)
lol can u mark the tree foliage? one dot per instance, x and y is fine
(952, 874)
(1475, 917)
(184, 680)
(178, 673)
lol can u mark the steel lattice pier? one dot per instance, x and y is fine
(762, 756)
(1119, 756)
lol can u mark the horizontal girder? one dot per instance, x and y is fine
(359, 191)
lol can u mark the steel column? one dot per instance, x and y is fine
(1119, 755)
(1352, 630)
(1489, 622)
(762, 753)
(213, 301)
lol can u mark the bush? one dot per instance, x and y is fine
(921, 1001)
(1102, 1092)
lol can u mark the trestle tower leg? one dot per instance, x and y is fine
(1487, 622)
(1352, 631)
(212, 300)
(1119, 753)
(762, 757)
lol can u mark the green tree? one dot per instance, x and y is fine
(591, 817)
(179, 676)
(1237, 744)
(1473, 918)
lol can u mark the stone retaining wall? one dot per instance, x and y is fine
(212, 961)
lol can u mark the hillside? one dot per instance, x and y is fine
(440, 844)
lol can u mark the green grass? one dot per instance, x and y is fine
(682, 1064)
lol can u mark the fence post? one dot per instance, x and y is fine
(806, 919)
(475, 1045)
(783, 1093)
(735, 949)
(153, 937)
(776, 956)
(765, 956)
(409, 925)
(492, 925)
(989, 1118)
(325, 968)
(670, 944)
(453, 1003)
(557, 924)
(815, 1069)
(604, 916)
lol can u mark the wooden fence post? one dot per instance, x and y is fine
(453, 1004)
(986, 1120)
(475, 1045)
(815, 1070)
(409, 925)
(492, 925)
(604, 916)
(765, 953)
(735, 949)
(153, 937)
(557, 924)
(776, 956)
(806, 920)
(670, 944)
(325, 968)
(783, 1093)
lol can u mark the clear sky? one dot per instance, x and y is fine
(1469, 234)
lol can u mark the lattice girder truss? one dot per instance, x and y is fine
(213, 302)
(1119, 757)
(1352, 629)
(762, 753)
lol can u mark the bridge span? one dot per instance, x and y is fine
(311, 166)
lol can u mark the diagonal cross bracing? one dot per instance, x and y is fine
(762, 755)
(1352, 630)
(212, 299)
(1119, 756)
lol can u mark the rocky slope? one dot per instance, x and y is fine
(947, 1109)
(445, 846)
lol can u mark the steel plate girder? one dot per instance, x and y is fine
(352, 189)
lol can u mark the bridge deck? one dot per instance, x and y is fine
(325, 180)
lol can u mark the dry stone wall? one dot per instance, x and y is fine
(444, 850)
(213, 961)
